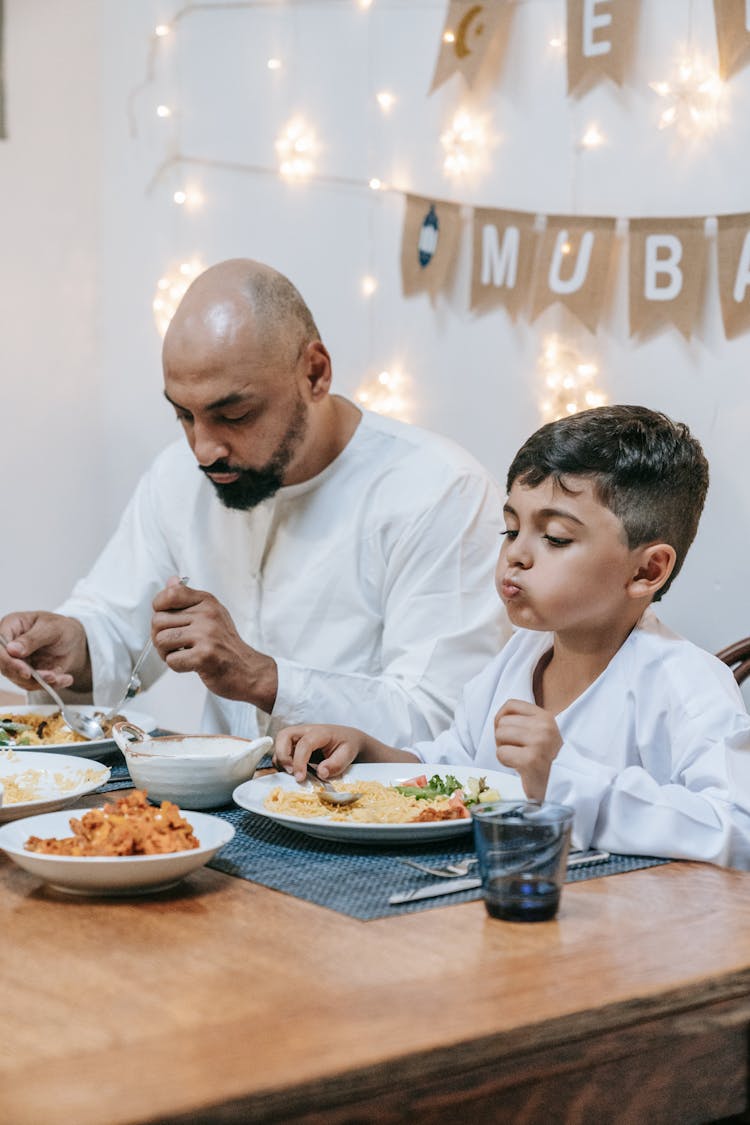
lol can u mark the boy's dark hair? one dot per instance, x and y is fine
(650, 471)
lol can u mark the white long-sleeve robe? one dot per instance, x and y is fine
(371, 585)
(646, 748)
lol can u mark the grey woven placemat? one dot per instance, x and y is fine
(354, 879)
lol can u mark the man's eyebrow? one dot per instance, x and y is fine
(219, 404)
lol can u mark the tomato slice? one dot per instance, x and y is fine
(420, 782)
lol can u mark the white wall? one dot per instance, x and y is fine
(86, 234)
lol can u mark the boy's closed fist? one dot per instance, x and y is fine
(528, 741)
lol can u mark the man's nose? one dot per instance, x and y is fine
(208, 446)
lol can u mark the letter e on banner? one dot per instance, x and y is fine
(592, 21)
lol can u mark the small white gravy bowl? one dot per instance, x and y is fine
(196, 771)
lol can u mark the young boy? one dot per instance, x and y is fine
(593, 701)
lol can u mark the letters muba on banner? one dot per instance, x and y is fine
(524, 266)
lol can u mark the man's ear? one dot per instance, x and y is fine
(654, 565)
(317, 370)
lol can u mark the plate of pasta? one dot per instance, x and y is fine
(384, 814)
(34, 783)
(41, 727)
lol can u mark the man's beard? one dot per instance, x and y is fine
(253, 486)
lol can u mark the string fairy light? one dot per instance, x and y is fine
(593, 137)
(465, 143)
(296, 146)
(387, 393)
(568, 380)
(695, 96)
(170, 289)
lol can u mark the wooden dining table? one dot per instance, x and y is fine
(223, 1001)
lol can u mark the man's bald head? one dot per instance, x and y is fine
(241, 297)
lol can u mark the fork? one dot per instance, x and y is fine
(133, 685)
(449, 870)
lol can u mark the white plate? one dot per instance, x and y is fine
(109, 875)
(251, 795)
(81, 749)
(62, 781)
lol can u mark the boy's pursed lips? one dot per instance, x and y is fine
(509, 587)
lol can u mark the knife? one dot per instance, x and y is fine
(453, 886)
(435, 890)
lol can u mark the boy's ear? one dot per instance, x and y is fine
(655, 563)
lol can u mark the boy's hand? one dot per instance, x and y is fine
(340, 746)
(528, 740)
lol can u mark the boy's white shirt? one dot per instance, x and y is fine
(656, 752)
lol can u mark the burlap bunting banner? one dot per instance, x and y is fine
(429, 244)
(523, 270)
(734, 273)
(667, 271)
(732, 35)
(468, 31)
(504, 248)
(601, 35)
(572, 267)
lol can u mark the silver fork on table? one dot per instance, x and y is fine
(451, 870)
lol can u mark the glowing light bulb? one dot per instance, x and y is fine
(170, 289)
(369, 285)
(387, 394)
(449, 37)
(568, 379)
(557, 42)
(179, 197)
(274, 64)
(163, 111)
(162, 29)
(465, 144)
(375, 184)
(696, 97)
(593, 137)
(386, 100)
(296, 147)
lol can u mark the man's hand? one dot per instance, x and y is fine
(339, 746)
(528, 740)
(193, 632)
(54, 645)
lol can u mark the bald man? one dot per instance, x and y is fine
(340, 564)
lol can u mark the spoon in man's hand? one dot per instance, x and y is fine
(82, 724)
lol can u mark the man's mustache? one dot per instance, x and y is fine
(220, 467)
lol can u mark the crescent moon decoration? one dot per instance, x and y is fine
(460, 45)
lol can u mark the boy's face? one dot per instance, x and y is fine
(565, 565)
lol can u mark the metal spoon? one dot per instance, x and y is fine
(82, 724)
(327, 794)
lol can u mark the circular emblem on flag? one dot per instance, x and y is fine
(428, 237)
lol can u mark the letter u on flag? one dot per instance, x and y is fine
(667, 274)
(601, 36)
(572, 266)
(469, 28)
(429, 244)
(732, 35)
